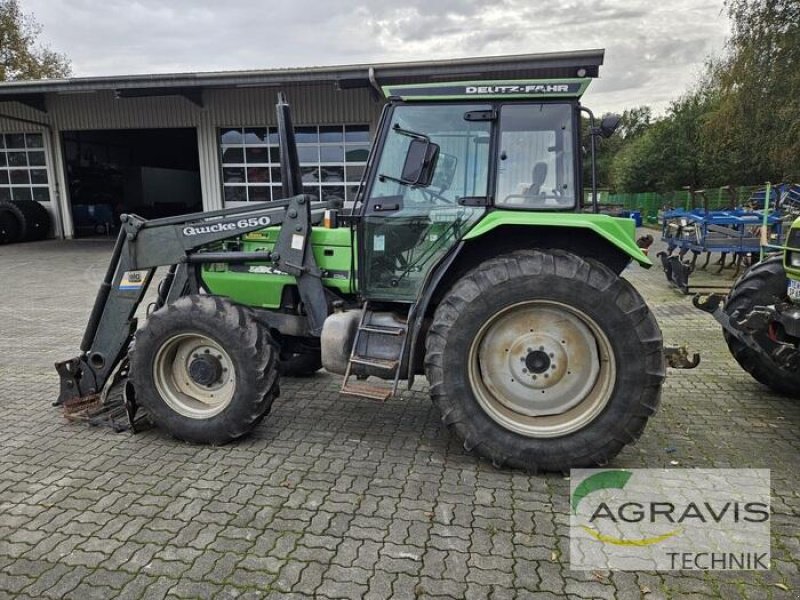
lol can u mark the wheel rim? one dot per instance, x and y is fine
(194, 375)
(541, 368)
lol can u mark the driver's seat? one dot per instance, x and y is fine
(538, 177)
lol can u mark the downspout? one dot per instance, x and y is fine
(59, 228)
(373, 82)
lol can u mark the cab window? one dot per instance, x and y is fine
(535, 159)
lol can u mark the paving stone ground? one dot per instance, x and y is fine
(336, 497)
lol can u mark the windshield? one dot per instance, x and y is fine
(535, 163)
(462, 169)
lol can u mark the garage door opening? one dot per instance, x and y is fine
(148, 172)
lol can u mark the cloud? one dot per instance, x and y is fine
(654, 50)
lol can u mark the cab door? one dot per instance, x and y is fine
(408, 226)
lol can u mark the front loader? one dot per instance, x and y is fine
(467, 258)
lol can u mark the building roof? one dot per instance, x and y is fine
(580, 63)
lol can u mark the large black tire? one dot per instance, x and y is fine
(11, 222)
(23, 220)
(230, 331)
(763, 284)
(581, 289)
(297, 364)
(36, 220)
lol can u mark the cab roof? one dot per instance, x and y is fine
(493, 89)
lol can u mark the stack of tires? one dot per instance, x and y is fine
(23, 221)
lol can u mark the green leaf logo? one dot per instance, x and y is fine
(611, 480)
(599, 481)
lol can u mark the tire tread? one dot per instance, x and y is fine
(534, 263)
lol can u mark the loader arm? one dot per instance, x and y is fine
(182, 243)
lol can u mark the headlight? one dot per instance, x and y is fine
(793, 259)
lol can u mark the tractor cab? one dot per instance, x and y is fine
(449, 153)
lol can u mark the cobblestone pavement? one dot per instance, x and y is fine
(335, 497)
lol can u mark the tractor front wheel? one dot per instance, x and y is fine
(204, 369)
(544, 360)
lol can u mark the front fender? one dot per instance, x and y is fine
(620, 232)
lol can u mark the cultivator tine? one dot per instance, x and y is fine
(721, 262)
(738, 268)
(705, 264)
(676, 271)
(665, 264)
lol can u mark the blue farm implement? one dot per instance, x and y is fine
(741, 233)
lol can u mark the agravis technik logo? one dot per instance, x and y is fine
(670, 519)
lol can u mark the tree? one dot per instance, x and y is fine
(758, 121)
(633, 123)
(668, 154)
(739, 125)
(21, 54)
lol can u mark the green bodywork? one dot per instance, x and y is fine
(620, 233)
(792, 251)
(258, 284)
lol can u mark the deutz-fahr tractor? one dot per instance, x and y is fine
(761, 318)
(468, 258)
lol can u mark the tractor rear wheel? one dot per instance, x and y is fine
(544, 360)
(762, 285)
(204, 369)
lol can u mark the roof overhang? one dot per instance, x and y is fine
(553, 65)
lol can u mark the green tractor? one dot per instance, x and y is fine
(467, 258)
(761, 318)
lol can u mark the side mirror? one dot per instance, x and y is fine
(609, 125)
(420, 162)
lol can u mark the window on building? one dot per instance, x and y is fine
(332, 160)
(23, 167)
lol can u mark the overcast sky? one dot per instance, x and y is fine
(654, 49)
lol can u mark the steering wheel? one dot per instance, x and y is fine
(433, 196)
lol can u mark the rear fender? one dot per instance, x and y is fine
(619, 233)
(599, 237)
